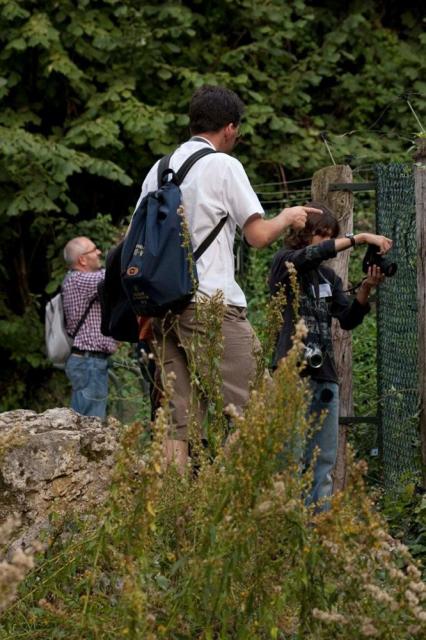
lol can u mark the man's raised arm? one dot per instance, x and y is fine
(260, 233)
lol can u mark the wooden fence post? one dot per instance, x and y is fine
(341, 203)
(420, 191)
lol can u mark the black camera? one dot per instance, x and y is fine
(313, 356)
(372, 256)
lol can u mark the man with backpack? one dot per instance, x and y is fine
(215, 189)
(87, 366)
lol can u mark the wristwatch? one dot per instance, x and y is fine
(351, 237)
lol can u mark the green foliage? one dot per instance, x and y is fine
(92, 92)
(405, 511)
(128, 396)
(51, 58)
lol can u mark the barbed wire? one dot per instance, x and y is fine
(281, 186)
(382, 133)
(324, 136)
(267, 184)
(277, 192)
(403, 96)
(271, 202)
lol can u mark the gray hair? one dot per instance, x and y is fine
(74, 249)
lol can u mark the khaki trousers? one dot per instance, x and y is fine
(173, 340)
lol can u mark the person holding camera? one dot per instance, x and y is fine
(321, 298)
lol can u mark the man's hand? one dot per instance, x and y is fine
(384, 244)
(296, 216)
(261, 233)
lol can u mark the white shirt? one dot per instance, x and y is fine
(216, 185)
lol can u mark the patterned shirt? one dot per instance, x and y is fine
(78, 289)
(317, 308)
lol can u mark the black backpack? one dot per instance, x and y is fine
(118, 319)
(158, 272)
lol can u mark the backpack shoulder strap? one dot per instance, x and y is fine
(83, 317)
(189, 163)
(178, 179)
(212, 235)
(163, 165)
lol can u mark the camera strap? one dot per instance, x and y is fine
(316, 288)
(315, 284)
(355, 288)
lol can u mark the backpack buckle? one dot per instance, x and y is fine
(170, 174)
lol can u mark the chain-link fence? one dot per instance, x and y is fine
(397, 327)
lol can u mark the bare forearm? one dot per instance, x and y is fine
(383, 243)
(363, 293)
(345, 243)
(266, 231)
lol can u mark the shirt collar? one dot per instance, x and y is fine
(202, 139)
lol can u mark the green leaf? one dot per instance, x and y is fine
(164, 74)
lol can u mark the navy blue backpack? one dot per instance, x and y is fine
(158, 271)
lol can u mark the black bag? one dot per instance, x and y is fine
(118, 318)
(157, 262)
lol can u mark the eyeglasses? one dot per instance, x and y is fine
(95, 248)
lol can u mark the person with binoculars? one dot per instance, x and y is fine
(321, 298)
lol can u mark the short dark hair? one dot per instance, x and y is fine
(322, 224)
(212, 108)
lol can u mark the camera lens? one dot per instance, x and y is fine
(314, 357)
(389, 268)
(315, 360)
(372, 257)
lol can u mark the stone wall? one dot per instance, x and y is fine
(54, 462)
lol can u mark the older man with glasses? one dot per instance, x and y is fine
(87, 366)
